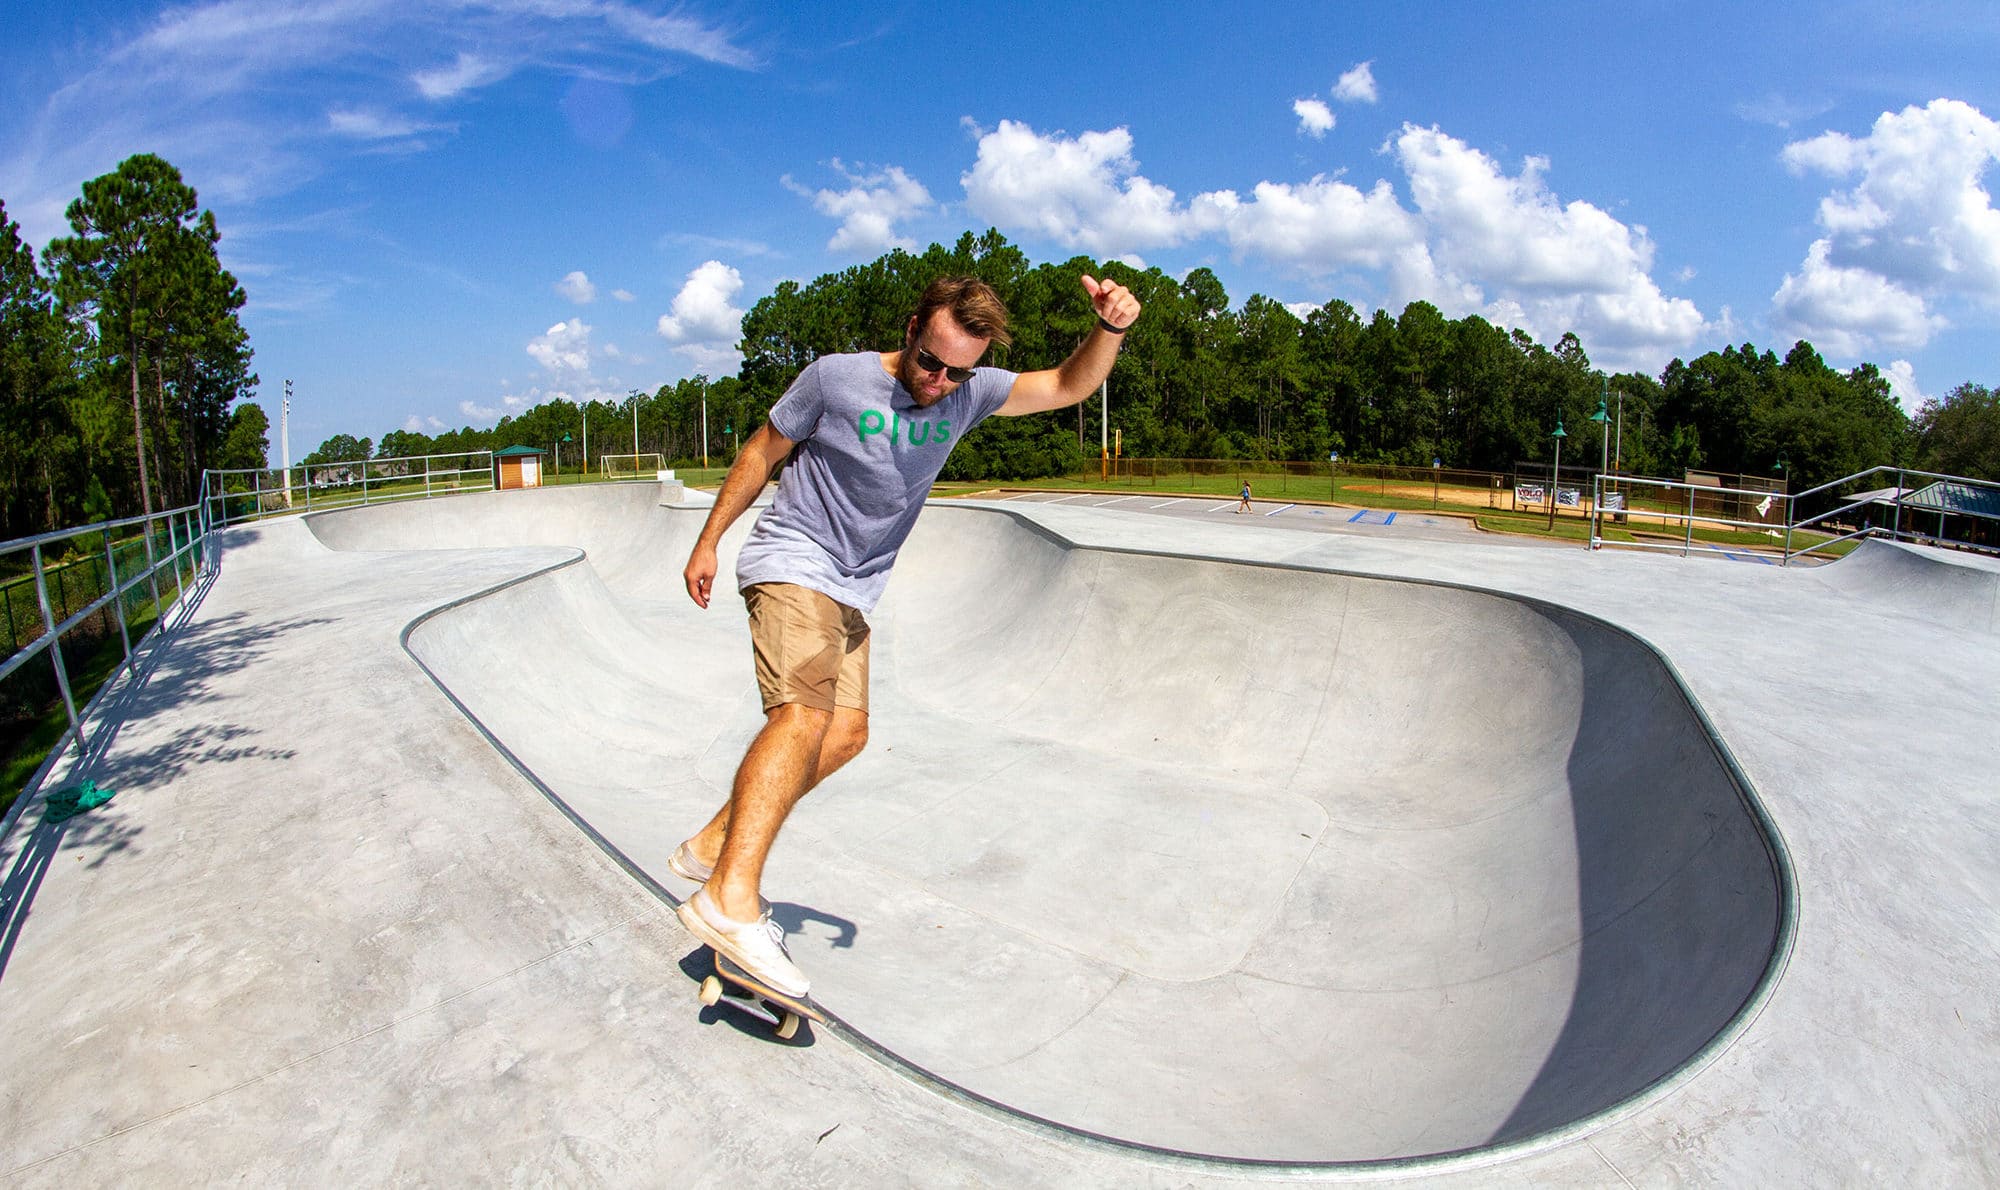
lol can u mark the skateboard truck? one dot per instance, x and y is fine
(785, 1012)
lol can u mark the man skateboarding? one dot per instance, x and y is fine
(868, 433)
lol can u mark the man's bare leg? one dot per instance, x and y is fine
(797, 749)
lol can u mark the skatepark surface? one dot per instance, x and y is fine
(1185, 849)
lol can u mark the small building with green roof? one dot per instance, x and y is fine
(517, 467)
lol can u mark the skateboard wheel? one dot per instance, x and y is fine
(711, 991)
(788, 1026)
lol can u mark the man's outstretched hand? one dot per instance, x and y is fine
(1113, 302)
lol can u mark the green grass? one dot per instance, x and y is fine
(32, 739)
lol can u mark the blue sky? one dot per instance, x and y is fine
(447, 212)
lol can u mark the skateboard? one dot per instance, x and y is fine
(782, 1012)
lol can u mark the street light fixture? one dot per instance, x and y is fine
(1555, 473)
(1603, 419)
(565, 438)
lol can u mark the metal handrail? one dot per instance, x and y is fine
(184, 540)
(373, 473)
(1688, 517)
(1895, 530)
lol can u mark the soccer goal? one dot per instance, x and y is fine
(646, 466)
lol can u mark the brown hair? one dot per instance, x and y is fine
(972, 303)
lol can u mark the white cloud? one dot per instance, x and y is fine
(564, 348)
(869, 208)
(508, 406)
(193, 82)
(1902, 378)
(1551, 266)
(467, 72)
(624, 295)
(1848, 311)
(1081, 192)
(425, 423)
(372, 125)
(1357, 85)
(1915, 230)
(577, 288)
(1779, 112)
(1315, 117)
(1318, 226)
(703, 325)
(1479, 240)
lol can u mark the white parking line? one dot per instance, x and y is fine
(1164, 503)
(1119, 500)
(1276, 511)
(1061, 499)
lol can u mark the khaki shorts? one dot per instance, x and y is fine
(810, 649)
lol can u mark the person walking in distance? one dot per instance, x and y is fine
(1243, 498)
(867, 434)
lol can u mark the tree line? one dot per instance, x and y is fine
(1199, 378)
(123, 365)
(125, 372)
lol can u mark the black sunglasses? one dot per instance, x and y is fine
(931, 363)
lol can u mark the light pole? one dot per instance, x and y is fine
(1104, 430)
(558, 452)
(1603, 419)
(586, 441)
(633, 393)
(1555, 473)
(1618, 439)
(1435, 462)
(704, 423)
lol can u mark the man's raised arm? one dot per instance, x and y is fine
(1087, 367)
(761, 454)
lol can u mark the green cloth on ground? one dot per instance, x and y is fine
(72, 800)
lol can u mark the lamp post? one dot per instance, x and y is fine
(1555, 473)
(704, 423)
(1618, 439)
(1603, 419)
(558, 452)
(586, 442)
(1332, 473)
(1435, 463)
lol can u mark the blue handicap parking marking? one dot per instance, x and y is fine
(1369, 516)
(1741, 556)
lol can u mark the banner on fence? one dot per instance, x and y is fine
(1569, 497)
(1614, 502)
(1529, 493)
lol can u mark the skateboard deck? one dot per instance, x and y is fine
(781, 1011)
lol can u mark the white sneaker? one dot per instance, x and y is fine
(683, 864)
(687, 867)
(758, 947)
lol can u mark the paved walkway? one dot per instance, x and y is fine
(1181, 844)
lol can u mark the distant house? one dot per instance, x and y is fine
(1946, 511)
(517, 467)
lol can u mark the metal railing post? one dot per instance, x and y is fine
(49, 622)
(1687, 546)
(174, 556)
(111, 563)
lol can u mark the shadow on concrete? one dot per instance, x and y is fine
(1682, 894)
(739, 1009)
(175, 668)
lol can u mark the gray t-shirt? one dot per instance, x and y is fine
(866, 458)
